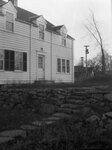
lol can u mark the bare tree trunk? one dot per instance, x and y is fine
(95, 32)
(103, 61)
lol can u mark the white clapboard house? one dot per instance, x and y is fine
(32, 48)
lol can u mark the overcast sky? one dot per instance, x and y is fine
(73, 14)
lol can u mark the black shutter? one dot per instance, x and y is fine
(7, 60)
(24, 61)
(12, 61)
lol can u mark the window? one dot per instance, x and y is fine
(63, 65)
(24, 61)
(41, 31)
(68, 66)
(40, 61)
(14, 61)
(18, 61)
(1, 59)
(58, 65)
(21, 61)
(9, 22)
(64, 41)
(9, 60)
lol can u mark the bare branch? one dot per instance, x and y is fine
(92, 34)
(93, 29)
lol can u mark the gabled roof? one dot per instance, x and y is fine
(24, 15)
(58, 27)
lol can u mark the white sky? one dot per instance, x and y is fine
(73, 14)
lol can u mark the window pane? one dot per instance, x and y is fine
(1, 54)
(1, 64)
(41, 27)
(9, 26)
(58, 65)
(40, 62)
(1, 59)
(7, 66)
(68, 66)
(18, 61)
(7, 54)
(41, 31)
(41, 35)
(64, 42)
(7, 60)
(63, 65)
(24, 61)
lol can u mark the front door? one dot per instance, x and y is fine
(41, 67)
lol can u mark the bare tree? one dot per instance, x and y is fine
(94, 31)
(96, 62)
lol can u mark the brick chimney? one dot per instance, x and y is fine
(15, 2)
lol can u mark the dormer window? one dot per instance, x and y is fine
(9, 21)
(63, 41)
(41, 31)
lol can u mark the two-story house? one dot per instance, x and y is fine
(32, 48)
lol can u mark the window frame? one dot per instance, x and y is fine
(41, 31)
(58, 65)
(63, 41)
(10, 61)
(10, 22)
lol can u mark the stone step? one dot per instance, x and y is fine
(28, 127)
(13, 133)
(73, 97)
(71, 106)
(73, 101)
(5, 139)
(43, 122)
(53, 118)
(62, 115)
(68, 111)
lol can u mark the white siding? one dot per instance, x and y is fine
(22, 28)
(1, 22)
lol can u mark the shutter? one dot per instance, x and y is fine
(12, 61)
(6, 61)
(24, 61)
(9, 60)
